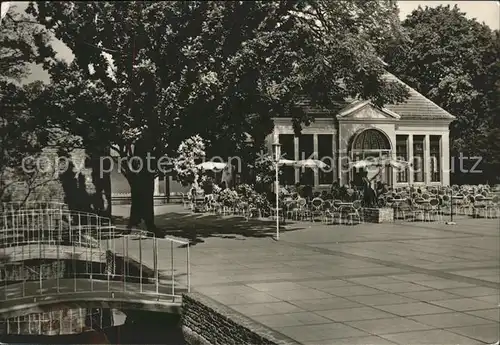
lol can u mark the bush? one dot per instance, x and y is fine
(245, 190)
(228, 197)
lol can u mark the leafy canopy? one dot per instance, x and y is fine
(22, 133)
(454, 61)
(164, 71)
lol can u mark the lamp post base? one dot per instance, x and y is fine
(276, 238)
(451, 223)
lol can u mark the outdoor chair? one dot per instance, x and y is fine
(185, 200)
(434, 211)
(403, 210)
(421, 209)
(479, 206)
(273, 211)
(292, 210)
(351, 213)
(445, 205)
(334, 212)
(459, 204)
(389, 200)
(493, 207)
(381, 201)
(326, 209)
(316, 208)
(303, 210)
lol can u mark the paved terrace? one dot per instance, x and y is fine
(411, 283)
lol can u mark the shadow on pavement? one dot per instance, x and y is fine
(197, 226)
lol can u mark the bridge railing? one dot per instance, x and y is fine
(55, 253)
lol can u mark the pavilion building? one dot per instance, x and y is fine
(416, 131)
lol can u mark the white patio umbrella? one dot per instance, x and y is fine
(4, 8)
(397, 164)
(311, 163)
(287, 162)
(213, 166)
(364, 163)
(380, 162)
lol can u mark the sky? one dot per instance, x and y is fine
(483, 11)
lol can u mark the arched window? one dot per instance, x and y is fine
(371, 139)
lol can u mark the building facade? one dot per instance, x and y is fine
(416, 131)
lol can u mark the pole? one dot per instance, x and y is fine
(172, 268)
(188, 270)
(451, 206)
(157, 275)
(140, 262)
(277, 202)
(451, 222)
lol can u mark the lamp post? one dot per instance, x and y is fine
(451, 222)
(277, 156)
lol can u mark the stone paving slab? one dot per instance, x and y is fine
(411, 283)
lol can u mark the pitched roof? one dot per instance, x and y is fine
(417, 106)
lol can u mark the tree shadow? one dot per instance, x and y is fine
(197, 226)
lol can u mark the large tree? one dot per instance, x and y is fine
(219, 69)
(454, 61)
(22, 133)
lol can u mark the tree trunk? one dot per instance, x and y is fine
(148, 210)
(142, 200)
(102, 183)
(135, 201)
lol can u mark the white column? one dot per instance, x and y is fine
(341, 152)
(157, 186)
(445, 159)
(276, 135)
(334, 154)
(315, 149)
(427, 157)
(394, 172)
(410, 158)
(296, 157)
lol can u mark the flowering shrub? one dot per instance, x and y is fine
(185, 166)
(264, 170)
(228, 197)
(259, 201)
(217, 189)
(250, 196)
(245, 190)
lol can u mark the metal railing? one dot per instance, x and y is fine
(61, 254)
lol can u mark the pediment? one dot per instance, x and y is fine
(366, 111)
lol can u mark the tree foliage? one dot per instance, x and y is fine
(164, 71)
(22, 133)
(454, 61)
(22, 42)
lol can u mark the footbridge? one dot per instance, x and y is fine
(51, 256)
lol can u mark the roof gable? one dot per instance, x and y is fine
(365, 110)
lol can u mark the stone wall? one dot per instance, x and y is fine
(207, 322)
(378, 215)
